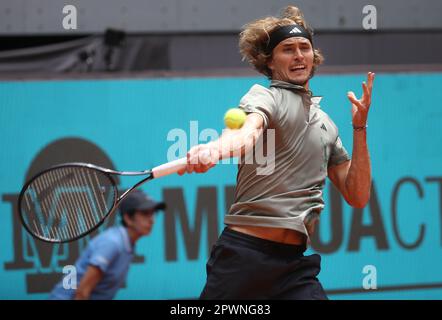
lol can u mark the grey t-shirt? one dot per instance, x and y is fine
(285, 191)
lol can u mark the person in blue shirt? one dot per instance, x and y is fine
(103, 266)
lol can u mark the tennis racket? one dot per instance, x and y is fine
(70, 200)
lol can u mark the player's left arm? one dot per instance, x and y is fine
(353, 177)
(90, 280)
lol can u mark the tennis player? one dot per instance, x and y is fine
(260, 254)
(102, 268)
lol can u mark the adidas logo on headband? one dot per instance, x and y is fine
(284, 32)
(295, 30)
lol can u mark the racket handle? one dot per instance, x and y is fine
(169, 168)
(174, 166)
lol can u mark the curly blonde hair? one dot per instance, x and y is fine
(254, 38)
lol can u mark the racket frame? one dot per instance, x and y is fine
(105, 171)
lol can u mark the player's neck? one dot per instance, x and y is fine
(305, 85)
(133, 235)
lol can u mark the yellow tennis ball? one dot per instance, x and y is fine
(234, 118)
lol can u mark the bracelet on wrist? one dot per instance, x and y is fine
(359, 128)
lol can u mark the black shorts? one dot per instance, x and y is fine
(246, 267)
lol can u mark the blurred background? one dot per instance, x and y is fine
(117, 83)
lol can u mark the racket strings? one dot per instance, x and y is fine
(67, 202)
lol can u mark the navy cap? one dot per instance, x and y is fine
(139, 201)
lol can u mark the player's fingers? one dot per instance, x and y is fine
(189, 157)
(370, 80)
(351, 96)
(204, 156)
(206, 168)
(366, 91)
(201, 168)
(354, 109)
(193, 156)
(190, 168)
(366, 100)
(214, 157)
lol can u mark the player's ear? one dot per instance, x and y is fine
(270, 64)
(127, 220)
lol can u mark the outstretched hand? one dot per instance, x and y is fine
(361, 106)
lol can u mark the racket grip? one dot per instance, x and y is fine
(175, 166)
(169, 168)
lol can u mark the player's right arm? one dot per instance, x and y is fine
(232, 143)
(88, 283)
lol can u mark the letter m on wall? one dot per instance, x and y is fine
(176, 214)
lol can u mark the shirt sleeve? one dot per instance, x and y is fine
(259, 100)
(338, 153)
(103, 254)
